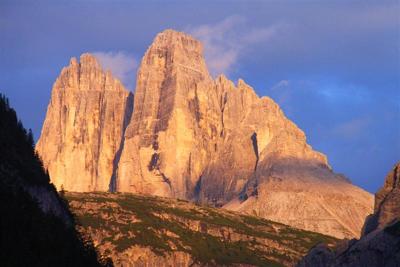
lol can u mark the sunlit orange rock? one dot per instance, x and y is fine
(84, 126)
(193, 137)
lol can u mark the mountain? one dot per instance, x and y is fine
(36, 226)
(379, 244)
(193, 137)
(84, 126)
(138, 230)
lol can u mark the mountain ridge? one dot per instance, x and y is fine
(193, 137)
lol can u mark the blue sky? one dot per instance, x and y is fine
(333, 66)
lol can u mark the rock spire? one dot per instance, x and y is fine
(84, 126)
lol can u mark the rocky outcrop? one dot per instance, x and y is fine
(387, 202)
(380, 243)
(84, 125)
(192, 137)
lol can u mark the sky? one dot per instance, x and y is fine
(332, 66)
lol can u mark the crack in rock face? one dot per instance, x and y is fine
(255, 147)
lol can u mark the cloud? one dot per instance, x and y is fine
(353, 128)
(281, 92)
(227, 40)
(280, 85)
(122, 65)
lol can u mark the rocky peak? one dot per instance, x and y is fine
(164, 125)
(73, 62)
(176, 50)
(173, 61)
(89, 61)
(242, 85)
(175, 39)
(87, 74)
(84, 125)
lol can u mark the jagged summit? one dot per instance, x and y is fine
(176, 52)
(87, 63)
(170, 37)
(84, 126)
(89, 60)
(194, 137)
(87, 74)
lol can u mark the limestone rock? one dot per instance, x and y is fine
(84, 126)
(215, 142)
(167, 142)
(192, 137)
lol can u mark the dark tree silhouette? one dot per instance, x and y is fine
(28, 235)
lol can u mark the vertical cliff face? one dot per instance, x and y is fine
(84, 126)
(167, 140)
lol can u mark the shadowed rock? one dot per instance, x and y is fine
(387, 202)
(379, 244)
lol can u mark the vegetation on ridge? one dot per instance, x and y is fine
(118, 222)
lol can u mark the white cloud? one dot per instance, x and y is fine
(122, 65)
(226, 41)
